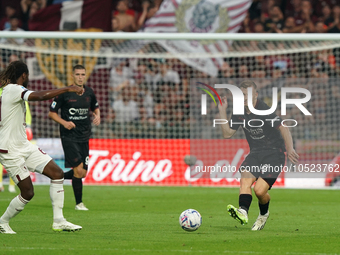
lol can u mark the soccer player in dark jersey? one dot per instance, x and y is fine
(263, 164)
(75, 130)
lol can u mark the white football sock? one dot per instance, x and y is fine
(15, 206)
(57, 198)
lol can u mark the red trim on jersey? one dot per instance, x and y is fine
(18, 177)
(3, 151)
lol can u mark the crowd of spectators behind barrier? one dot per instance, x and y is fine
(150, 98)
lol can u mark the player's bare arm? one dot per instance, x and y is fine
(287, 137)
(49, 94)
(96, 114)
(67, 124)
(226, 130)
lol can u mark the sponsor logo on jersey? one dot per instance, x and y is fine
(79, 111)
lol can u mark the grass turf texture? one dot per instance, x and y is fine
(144, 220)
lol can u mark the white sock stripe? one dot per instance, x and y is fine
(60, 181)
(23, 200)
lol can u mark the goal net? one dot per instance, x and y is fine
(147, 89)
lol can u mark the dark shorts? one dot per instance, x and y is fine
(265, 164)
(76, 153)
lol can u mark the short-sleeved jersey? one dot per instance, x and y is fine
(263, 137)
(13, 117)
(76, 108)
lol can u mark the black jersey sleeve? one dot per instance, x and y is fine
(57, 103)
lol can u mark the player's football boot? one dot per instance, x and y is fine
(6, 229)
(238, 214)
(81, 207)
(65, 226)
(260, 222)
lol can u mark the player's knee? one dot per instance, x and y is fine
(260, 191)
(57, 174)
(79, 172)
(27, 194)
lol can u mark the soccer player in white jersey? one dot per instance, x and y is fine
(18, 155)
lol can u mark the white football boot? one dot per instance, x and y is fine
(65, 226)
(260, 222)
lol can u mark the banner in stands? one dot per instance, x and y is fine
(71, 15)
(158, 162)
(195, 16)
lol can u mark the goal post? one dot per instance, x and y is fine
(146, 85)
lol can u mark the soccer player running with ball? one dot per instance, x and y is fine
(18, 155)
(266, 158)
(75, 130)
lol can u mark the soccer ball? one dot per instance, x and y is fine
(190, 220)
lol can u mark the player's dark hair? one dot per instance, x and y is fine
(13, 72)
(78, 67)
(248, 83)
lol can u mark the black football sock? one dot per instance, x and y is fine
(77, 185)
(264, 208)
(68, 175)
(244, 201)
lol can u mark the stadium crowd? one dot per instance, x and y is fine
(150, 98)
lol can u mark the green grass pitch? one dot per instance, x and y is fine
(144, 220)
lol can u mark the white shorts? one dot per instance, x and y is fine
(19, 163)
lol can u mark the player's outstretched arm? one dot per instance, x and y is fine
(226, 130)
(287, 137)
(49, 94)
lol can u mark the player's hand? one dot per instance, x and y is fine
(293, 156)
(96, 120)
(76, 89)
(224, 105)
(69, 125)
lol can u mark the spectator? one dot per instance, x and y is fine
(326, 16)
(154, 7)
(14, 22)
(125, 19)
(275, 20)
(318, 6)
(120, 77)
(334, 26)
(226, 71)
(243, 72)
(166, 75)
(289, 25)
(266, 7)
(258, 28)
(34, 8)
(125, 112)
(293, 8)
(5, 21)
(25, 8)
(320, 27)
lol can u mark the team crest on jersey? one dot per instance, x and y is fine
(201, 16)
(56, 60)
